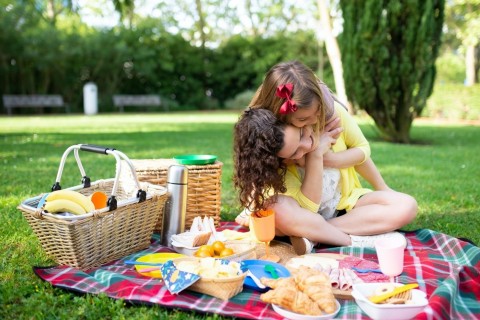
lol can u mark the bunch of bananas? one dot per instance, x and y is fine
(67, 201)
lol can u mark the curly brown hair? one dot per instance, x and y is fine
(259, 174)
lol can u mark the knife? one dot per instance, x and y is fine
(385, 296)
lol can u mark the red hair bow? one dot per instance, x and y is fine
(285, 91)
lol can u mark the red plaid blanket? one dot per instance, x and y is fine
(447, 270)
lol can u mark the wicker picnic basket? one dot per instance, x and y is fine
(85, 241)
(204, 186)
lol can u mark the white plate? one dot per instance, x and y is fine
(297, 316)
(189, 251)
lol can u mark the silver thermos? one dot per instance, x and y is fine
(176, 205)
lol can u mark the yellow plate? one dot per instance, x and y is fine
(156, 258)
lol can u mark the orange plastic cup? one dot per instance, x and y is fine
(263, 228)
(99, 199)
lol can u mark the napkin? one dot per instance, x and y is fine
(176, 280)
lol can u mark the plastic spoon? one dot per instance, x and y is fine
(271, 269)
(255, 279)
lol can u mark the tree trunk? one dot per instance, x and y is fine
(333, 52)
(201, 23)
(470, 65)
(320, 59)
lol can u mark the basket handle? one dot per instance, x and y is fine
(112, 201)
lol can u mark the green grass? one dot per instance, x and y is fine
(441, 171)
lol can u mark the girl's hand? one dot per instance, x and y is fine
(333, 126)
(324, 144)
(328, 139)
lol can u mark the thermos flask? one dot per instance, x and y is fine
(176, 205)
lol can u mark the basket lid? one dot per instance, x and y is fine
(197, 159)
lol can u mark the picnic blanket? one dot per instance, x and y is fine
(447, 269)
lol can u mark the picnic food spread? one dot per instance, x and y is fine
(439, 292)
(310, 287)
(340, 270)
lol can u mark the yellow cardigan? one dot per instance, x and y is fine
(351, 188)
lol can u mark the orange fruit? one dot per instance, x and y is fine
(207, 248)
(218, 246)
(226, 252)
(201, 254)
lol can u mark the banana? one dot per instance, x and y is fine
(63, 205)
(73, 196)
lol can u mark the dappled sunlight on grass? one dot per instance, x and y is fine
(125, 122)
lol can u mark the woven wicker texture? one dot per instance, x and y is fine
(204, 186)
(242, 251)
(104, 237)
(284, 250)
(222, 288)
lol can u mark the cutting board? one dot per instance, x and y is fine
(339, 294)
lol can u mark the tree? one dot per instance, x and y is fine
(333, 52)
(389, 49)
(463, 19)
(126, 9)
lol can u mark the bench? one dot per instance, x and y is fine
(33, 101)
(150, 100)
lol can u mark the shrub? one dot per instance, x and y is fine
(240, 101)
(454, 101)
(450, 68)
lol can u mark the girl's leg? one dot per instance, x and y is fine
(378, 212)
(293, 220)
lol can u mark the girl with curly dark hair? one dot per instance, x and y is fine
(259, 172)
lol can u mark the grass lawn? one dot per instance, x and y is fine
(441, 170)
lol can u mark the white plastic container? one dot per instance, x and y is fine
(362, 291)
(90, 98)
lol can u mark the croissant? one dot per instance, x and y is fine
(280, 282)
(317, 286)
(290, 298)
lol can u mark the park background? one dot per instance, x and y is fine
(205, 59)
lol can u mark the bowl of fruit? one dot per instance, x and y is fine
(229, 250)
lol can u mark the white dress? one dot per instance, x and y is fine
(330, 191)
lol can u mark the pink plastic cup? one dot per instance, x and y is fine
(390, 253)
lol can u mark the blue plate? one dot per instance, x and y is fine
(257, 267)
